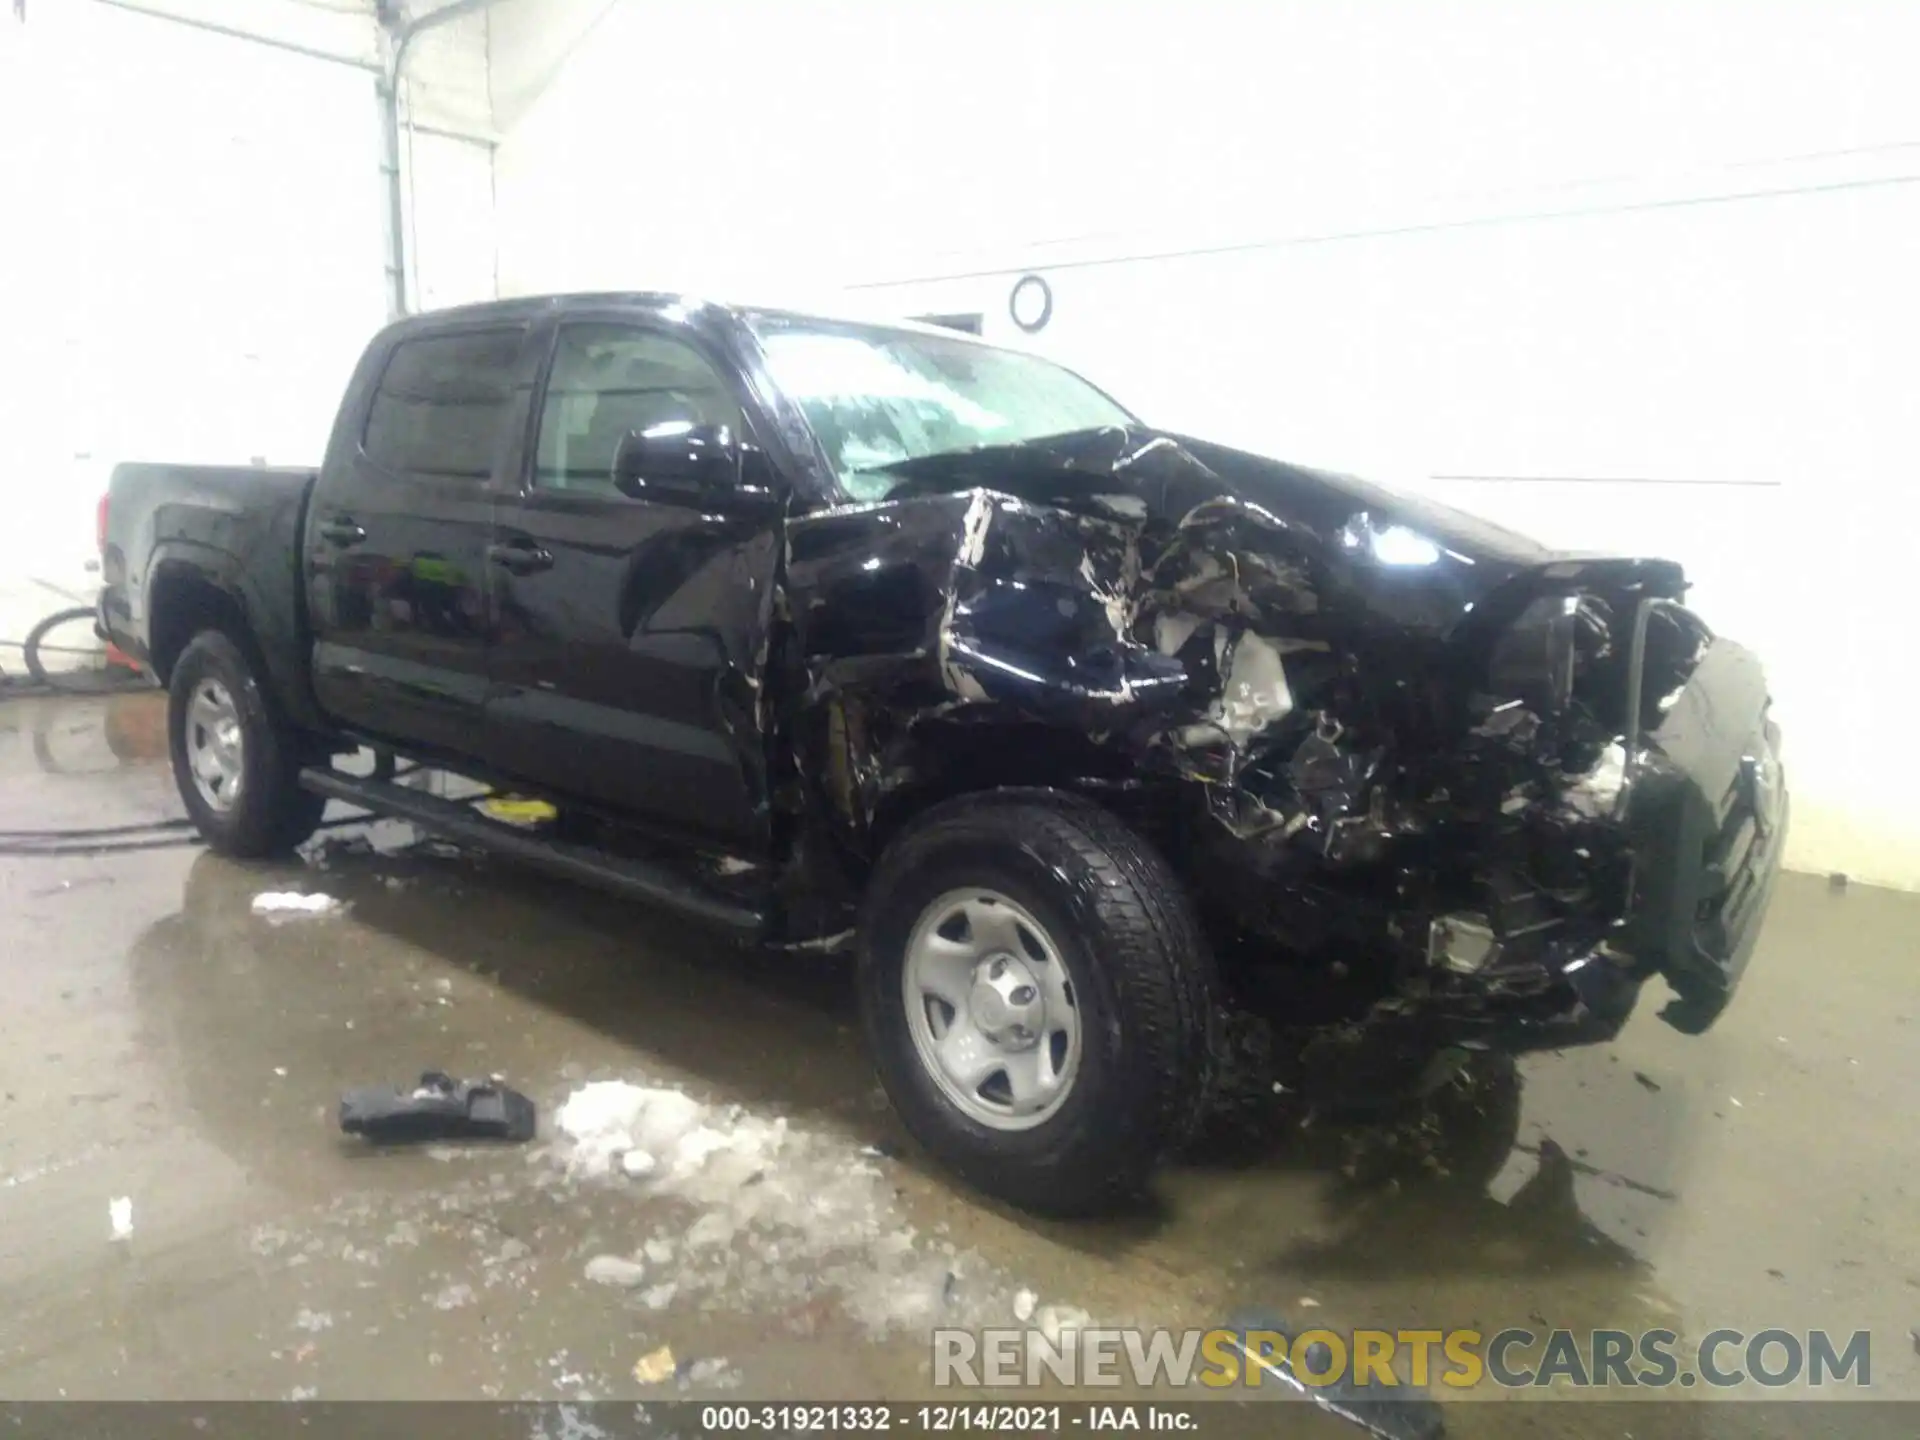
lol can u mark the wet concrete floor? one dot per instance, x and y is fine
(162, 1043)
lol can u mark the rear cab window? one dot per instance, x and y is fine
(441, 403)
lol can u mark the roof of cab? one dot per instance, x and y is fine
(530, 307)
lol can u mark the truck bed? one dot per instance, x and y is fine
(235, 528)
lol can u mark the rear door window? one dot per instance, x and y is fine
(441, 402)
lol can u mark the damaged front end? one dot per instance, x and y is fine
(1432, 783)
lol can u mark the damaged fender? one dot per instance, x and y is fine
(1376, 733)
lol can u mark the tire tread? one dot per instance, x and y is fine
(275, 814)
(1152, 951)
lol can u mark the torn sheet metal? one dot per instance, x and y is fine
(1352, 714)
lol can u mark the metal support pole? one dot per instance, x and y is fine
(395, 219)
(398, 37)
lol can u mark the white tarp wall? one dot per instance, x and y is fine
(195, 255)
(172, 181)
(1626, 275)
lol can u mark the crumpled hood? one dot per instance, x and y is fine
(1152, 592)
(1370, 552)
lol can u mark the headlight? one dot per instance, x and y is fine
(1395, 545)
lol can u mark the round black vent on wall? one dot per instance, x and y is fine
(1031, 303)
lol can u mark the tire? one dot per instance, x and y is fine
(1141, 1001)
(266, 813)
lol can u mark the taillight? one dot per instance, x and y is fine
(100, 526)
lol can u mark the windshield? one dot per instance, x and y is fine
(877, 397)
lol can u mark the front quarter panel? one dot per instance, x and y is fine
(967, 610)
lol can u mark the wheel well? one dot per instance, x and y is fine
(950, 760)
(182, 606)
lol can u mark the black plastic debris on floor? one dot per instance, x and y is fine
(1385, 1412)
(438, 1107)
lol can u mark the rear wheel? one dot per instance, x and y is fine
(235, 758)
(1038, 997)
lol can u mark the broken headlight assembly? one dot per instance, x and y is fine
(1552, 730)
(1537, 658)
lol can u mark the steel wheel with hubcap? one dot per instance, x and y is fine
(991, 1010)
(1038, 997)
(236, 759)
(216, 748)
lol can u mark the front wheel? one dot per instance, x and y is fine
(235, 758)
(1038, 997)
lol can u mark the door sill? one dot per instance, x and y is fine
(655, 883)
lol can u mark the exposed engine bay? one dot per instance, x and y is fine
(1382, 739)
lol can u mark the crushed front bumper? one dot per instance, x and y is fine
(1705, 807)
(1707, 813)
(1706, 810)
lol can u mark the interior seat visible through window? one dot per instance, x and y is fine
(610, 380)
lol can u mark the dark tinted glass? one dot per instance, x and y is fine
(440, 403)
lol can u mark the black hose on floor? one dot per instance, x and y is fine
(99, 831)
(55, 844)
(116, 847)
(101, 681)
(152, 835)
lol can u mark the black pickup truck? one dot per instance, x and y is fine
(1083, 734)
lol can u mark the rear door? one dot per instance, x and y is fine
(627, 667)
(402, 603)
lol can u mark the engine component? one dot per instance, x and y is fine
(1463, 943)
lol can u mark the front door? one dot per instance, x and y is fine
(627, 666)
(395, 546)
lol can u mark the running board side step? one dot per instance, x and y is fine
(452, 820)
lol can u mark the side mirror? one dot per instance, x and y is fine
(677, 461)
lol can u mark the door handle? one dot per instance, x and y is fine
(520, 557)
(342, 531)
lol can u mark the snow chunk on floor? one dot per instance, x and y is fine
(742, 1168)
(615, 1270)
(780, 1214)
(610, 1118)
(1061, 1324)
(278, 905)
